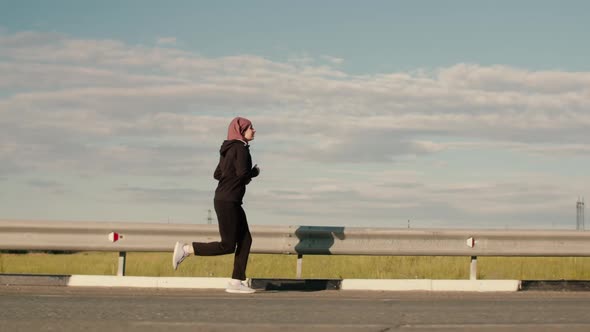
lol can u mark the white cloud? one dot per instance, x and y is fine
(102, 107)
(334, 60)
(166, 41)
(489, 103)
(507, 79)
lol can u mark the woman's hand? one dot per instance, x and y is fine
(255, 171)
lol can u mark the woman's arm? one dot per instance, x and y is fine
(217, 174)
(243, 164)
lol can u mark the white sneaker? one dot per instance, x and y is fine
(242, 287)
(179, 255)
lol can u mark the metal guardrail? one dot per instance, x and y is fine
(297, 240)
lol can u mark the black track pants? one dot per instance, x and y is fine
(235, 237)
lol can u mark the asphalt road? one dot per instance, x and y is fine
(107, 309)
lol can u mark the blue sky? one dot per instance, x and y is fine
(373, 37)
(448, 114)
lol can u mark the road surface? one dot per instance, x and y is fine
(36, 308)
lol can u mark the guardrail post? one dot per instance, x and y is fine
(299, 263)
(121, 268)
(473, 269)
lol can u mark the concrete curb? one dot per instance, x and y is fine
(147, 282)
(264, 284)
(112, 281)
(431, 285)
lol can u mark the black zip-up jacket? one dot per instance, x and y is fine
(234, 171)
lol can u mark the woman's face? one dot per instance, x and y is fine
(249, 133)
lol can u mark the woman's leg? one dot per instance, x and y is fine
(228, 218)
(244, 240)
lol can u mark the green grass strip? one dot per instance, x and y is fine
(284, 266)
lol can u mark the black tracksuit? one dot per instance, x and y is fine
(234, 172)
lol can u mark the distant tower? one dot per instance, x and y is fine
(580, 215)
(209, 219)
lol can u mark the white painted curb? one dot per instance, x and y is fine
(146, 282)
(476, 285)
(431, 285)
(346, 284)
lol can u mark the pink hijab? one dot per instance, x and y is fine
(237, 128)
